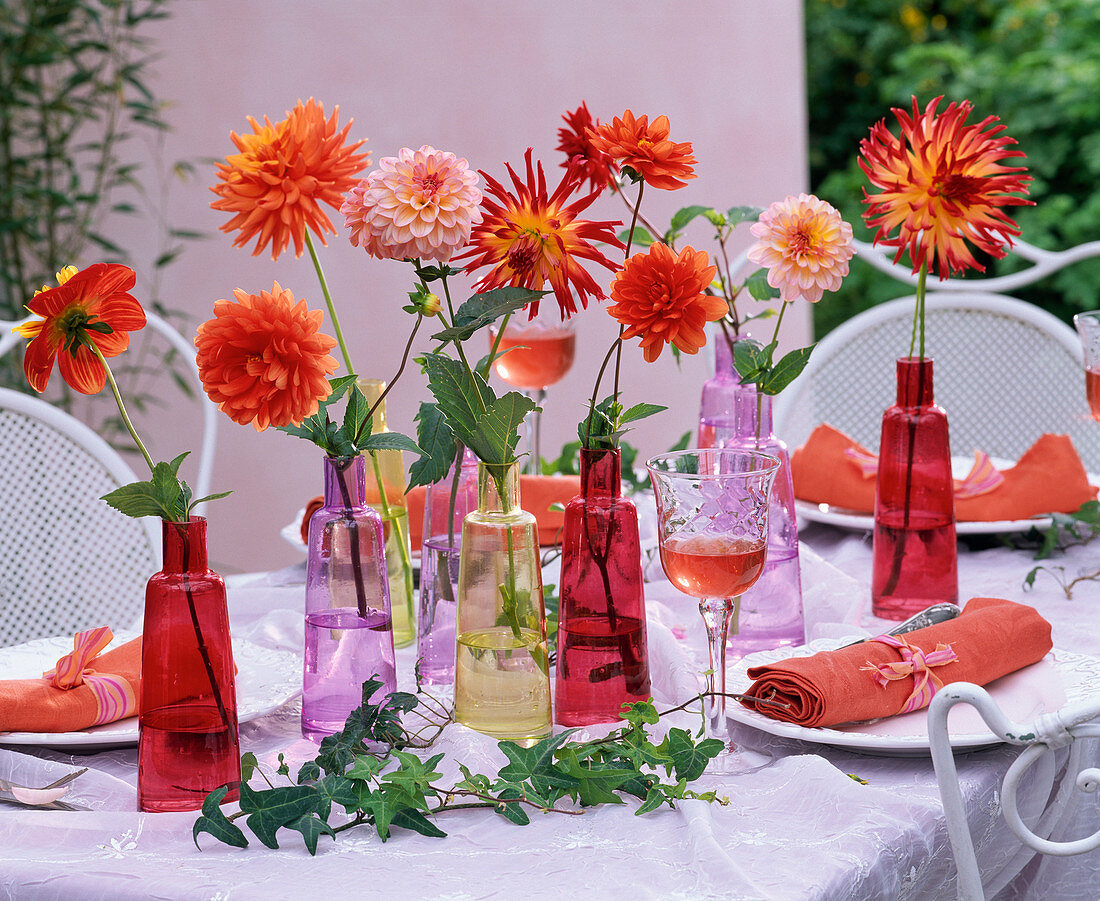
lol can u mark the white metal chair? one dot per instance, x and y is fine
(69, 560)
(1066, 727)
(1006, 370)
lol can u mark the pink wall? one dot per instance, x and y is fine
(484, 80)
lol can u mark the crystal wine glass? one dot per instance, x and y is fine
(712, 519)
(536, 354)
(1088, 327)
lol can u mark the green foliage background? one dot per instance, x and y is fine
(1033, 63)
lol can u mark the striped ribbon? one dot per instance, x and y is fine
(982, 478)
(114, 695)
(916, 663)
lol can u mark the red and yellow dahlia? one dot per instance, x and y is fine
(531, 238)
(284, 172)
(660, 297)
(263, 359)
(942, 185)
(645, 148)
(92, 306)
(575, 141)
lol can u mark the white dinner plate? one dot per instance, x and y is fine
(266, 679)
(1060, 678)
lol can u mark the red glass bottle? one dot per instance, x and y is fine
(915, 555)
(188, 743)
(603, 660)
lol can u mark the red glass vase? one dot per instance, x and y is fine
(915, 555)
(188, 743)
(603, 661)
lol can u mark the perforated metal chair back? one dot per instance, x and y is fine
(70, 562)
(1005, 370)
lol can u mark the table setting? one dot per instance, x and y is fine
(731, 645)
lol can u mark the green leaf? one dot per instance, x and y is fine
(689, 759)
(786, 370)
(735, 215)
(496, 432)
(460, 397)
(534, 761)
(485, 309)
(596, 783)
(336, 789)
(163, 495)
(682, 443)
(758, 287)
(275, 808)
(409, 818)
(641, 238)
(390, 441)
(640, 712)
(683, 216)
(513, 812)
(248, 766)
(355, 414)
(437, 441)
(640, 411)
(216, 823)
(653, 799)
(750, 359)
(312, 828)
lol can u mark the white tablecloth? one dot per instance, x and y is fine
(798, 829)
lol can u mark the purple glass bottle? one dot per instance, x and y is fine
(771, 611)
(446, 504)
(915, 562)
(603, 660)
(349, 631)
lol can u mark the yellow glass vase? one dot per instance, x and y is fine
(386, 468)
(502, 675)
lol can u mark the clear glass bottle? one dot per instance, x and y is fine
(771, 611)
(446, 504)
(603, 659)
(348, 628)
(915, 560)
(387, 468)
(502, 672)
(187, 744)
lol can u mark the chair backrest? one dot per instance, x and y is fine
(1050, 732)
(1006, 371)
(70, 562)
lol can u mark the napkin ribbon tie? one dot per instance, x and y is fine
(916, 663)
(114, 696)
(983, 477)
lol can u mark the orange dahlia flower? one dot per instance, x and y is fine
(531, 238)
(92, 306)
(804, 244)
(660, 298)
(942, 185)
(575, 142)
(264, 359)
(276, 184)
(645, 148)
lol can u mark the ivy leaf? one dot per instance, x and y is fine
(596, 783)
(758, 287)
(275, 808)
(511, 811)
(408, 818)
(312, 828)
(484, 309)
(653, 799)
(437, 443)
(249, 763)
(537, 760)
(689, 759)
(640, 712)
(365, 768)
(336, 789)
(215, 822)
(786, 370)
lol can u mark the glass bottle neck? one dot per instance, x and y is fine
(184, 545)
(372, 390)
(497, 488)
(914, 382)
(601, 472)
(345, 482)
(723, 359)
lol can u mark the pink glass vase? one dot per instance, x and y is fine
(915, 560)
(446, 504)
(348, 627)
(187, 744)
(603, 661)
(771, 611)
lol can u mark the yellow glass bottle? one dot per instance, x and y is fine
(502, 674)
(387, 468)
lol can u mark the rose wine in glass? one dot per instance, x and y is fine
(712, 518)
(533, 355)
(1088, 328)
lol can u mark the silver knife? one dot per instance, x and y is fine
(929, 616)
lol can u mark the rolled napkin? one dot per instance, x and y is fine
(537, 495)
(830, 468)
(989, 639)
(86, 688)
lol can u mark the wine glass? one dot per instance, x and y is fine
(1088, 327)
(536, 353)
(712, 519)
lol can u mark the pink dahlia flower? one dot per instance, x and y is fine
(804, 245)
(418, 204)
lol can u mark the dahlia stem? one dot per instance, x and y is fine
(458, 344)
(331, 307)
(496, 343)
(596, 390)
(918, 312)
(91, 345)
(393, 381)
(622, 328)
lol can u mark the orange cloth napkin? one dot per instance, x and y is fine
(1048, 478)
(37, 705)
(991, 638)
(537, 494)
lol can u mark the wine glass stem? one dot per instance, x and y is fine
(534, 432)
(717, 613)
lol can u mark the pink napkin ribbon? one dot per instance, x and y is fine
(982, 478)
(114, 696)
(916, 663)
